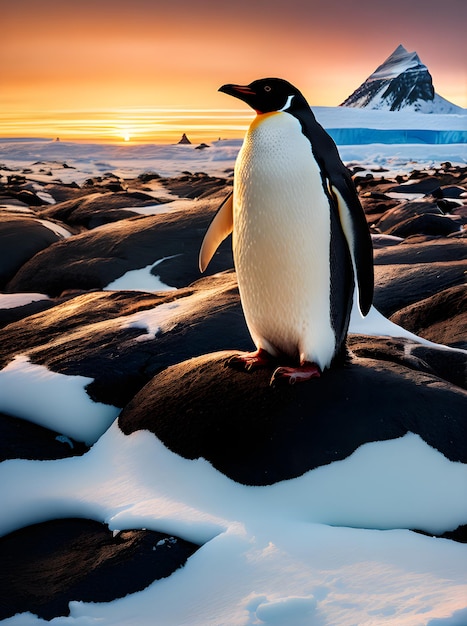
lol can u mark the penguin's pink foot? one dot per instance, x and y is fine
(250, 360)
(292, 375)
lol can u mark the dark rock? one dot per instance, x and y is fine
(404, 211)
(441, 318)
(115, 186)
(89, 335)
(16, 179)
(450, 365)
(451, 191)
(94, 259)
(200, 408)
(376, 205)
(459, 534)
(429, 185)
(457, 235)
(97, 209)
(147, 177)
(398, 286)
(355, 169)
(14, 314)
(21, 238)
(384, 241)
(107, 182)
(449, 206)
(415, 270)
(90, 346)
(62, 192)
(376, 195)
(9, 205)
(417, 175)
(438, 225)
(439, 250)
(48, 565)
(24, 195)
(370, 182)
(459, 210)
(184, 139)
(21, 439)
(196, 186)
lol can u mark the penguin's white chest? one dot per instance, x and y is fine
(281, 241)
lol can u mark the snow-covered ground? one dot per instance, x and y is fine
(292, 554)
(60, 402)
(330, 548)
(346, 117)
(170, 160)
(399, 141)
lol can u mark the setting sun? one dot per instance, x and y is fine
(87, 81)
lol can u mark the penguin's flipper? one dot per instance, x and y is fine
(358, 237)
(220, 228)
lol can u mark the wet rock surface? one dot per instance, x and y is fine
(47, 565)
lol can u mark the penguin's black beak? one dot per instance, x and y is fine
(243, 92)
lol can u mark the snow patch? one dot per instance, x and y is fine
(43, 195)
(53, 400)
(264, 558)
(156, 320)
(376, 325)
(159, 209)
(55, 228)
(13, 300)
(291, 610)
(141, 279)
(15, 208)
(166, 316)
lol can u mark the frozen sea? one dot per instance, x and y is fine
(395, 141)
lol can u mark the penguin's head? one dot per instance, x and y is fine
(267, 94)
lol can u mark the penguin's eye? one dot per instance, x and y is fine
(267, 88)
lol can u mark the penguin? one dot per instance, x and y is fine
(301, 243)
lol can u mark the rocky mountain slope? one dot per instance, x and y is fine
(401, 82)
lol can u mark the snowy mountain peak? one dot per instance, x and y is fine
(398, 62)
(401, 82)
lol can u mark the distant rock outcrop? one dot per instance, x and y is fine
(184, 139)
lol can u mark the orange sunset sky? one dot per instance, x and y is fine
(147, 70)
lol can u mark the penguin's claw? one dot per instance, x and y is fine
(250, 361)
(292, 375)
